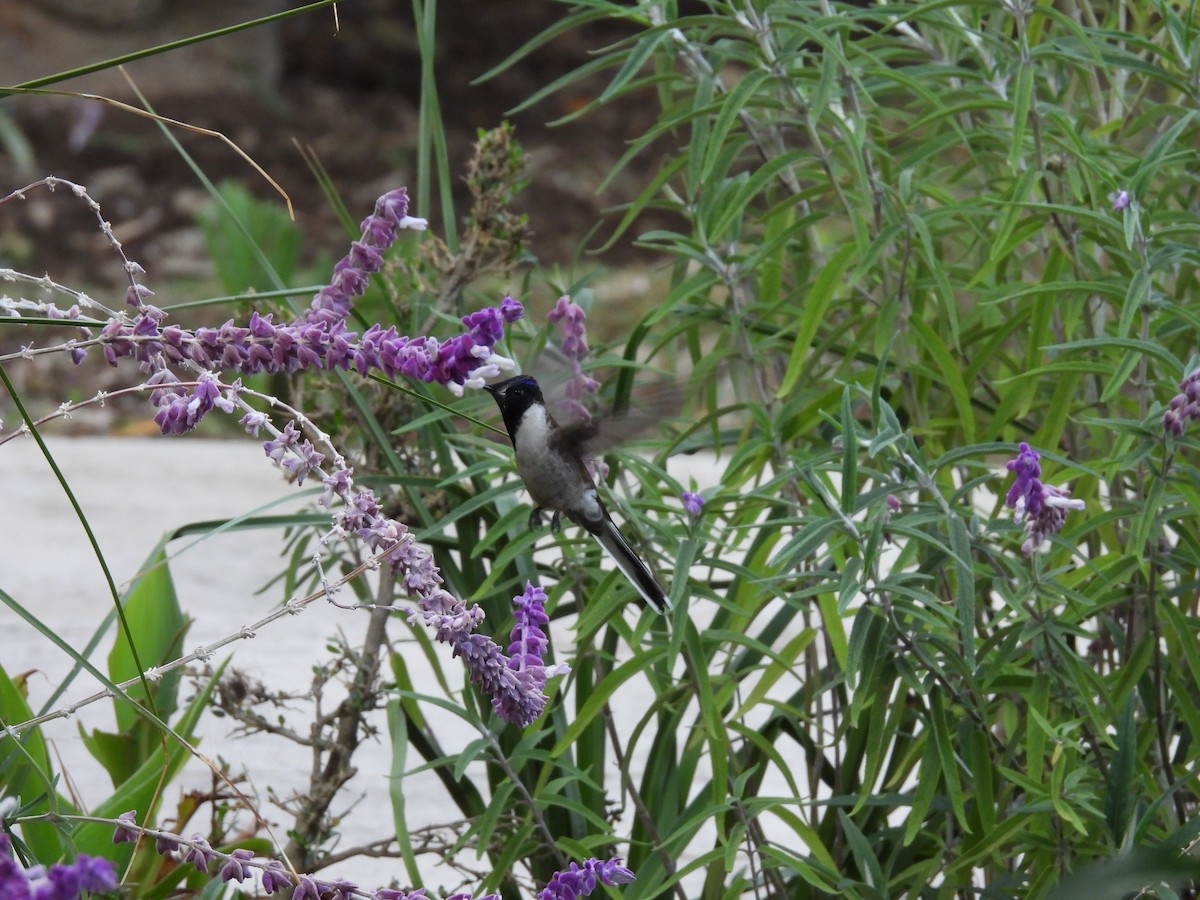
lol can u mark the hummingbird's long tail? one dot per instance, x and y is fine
(631, 565)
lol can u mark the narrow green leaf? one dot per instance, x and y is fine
(964, 587)
(946, 757)
(951, 372)
(816, 303)
(1022, 103)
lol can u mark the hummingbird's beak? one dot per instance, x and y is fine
(490, 389)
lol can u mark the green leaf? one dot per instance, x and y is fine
(816, 303)
(951, 372)
(26, 773)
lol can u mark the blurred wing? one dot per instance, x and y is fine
(648, 409)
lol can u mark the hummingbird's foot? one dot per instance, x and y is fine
(535, 519)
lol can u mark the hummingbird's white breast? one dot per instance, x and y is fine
(553, 479)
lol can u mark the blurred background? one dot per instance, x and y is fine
(348, 88)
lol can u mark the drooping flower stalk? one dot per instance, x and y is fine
(579, 880)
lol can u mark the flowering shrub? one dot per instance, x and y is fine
(909, 244)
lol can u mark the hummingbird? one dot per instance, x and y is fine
(550, 460)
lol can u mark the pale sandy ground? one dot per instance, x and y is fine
(134, 490)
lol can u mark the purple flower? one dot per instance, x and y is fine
(693, 503)
(1184, 406)
(199, 854)
(579, 881)
(317, 340)
(252, 421)
(235, 868)
(278, 447)
(87, 873)
(569, 318)
(510, 310)
(1043, 508)
(127, 832)
(1026, 489)
(63, 881)
(337, 484)
(306, 889)
(341, 889)
(1120, 200)
(304, 460)
(275, 877)
(515, 684)
(529, 641)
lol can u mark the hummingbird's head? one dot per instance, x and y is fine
(514, 397)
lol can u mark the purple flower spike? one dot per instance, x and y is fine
(693, 504)
(569, 318)
(515, 683)
(1043, 508)
(579, 881)
(1120, 200)
(1026, 489)
(1184, 406)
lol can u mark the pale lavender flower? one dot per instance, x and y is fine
(337, 484)
(1120, 200)
(305, 459)
(569, 317)
(1042, 507)
(579, 881)
(277, 448)
(252, 421)
(693, 504)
